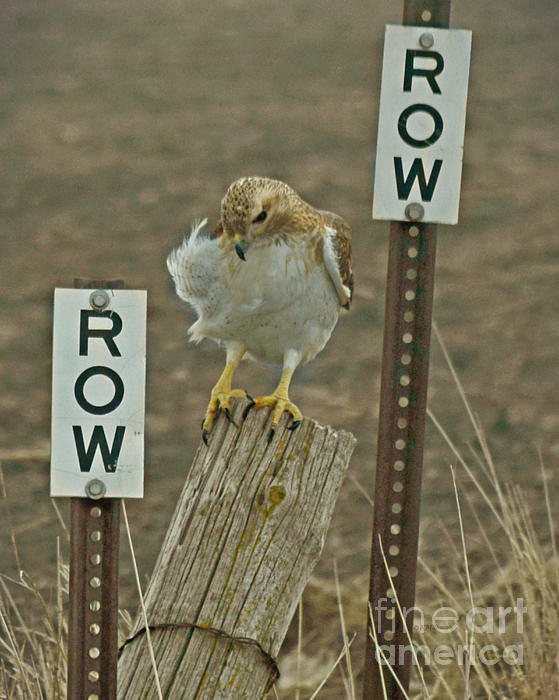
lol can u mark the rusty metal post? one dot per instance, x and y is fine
(92, 627)
(405, 366)
(93, 590)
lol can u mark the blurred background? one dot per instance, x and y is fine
(123, 121)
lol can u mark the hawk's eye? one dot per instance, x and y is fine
(261, 217)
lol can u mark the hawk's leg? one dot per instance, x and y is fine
(279, 400)
(220, 398)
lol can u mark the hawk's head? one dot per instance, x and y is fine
(257, 208)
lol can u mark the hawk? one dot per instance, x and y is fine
(268, 283)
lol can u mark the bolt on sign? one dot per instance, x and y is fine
(421, 124)
(98, 392)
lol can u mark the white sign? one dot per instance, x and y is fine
(421, 124)
(98, 390)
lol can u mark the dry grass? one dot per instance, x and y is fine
(513, 638)
(496, 561)
(515, 585)
(33, 654)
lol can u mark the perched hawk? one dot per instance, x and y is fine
(269, 283)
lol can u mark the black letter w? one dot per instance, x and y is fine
(98, 439)
(426, 188)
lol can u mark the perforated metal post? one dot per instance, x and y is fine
(92, 629)
(93, 591)
(405, 366)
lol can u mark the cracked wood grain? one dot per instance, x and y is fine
(245, 536)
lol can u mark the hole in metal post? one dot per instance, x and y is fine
(95, 536)
(408, 316)
(407, 338)
(405, 380)
(398, 487)
(93, 676)
(94, 653)
(426, 15)
(395, 529)
(402, 423)
(403, 401)
(388, 635)
(396, 507)
(390, 614)
(95, 606)
(393, 571)
(411, 274)
(394, 550)
(94, 629)
(400, 444)
(95, 582)
(413, 231)
(412, 252)
(410, 295)
(95, 512)
(399, 465)
(95, 559)
(405, 359)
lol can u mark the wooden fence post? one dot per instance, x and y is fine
(246, 533)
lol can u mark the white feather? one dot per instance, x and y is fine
(192, 266)
(270, 303)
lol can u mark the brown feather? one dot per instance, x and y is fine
(218, 230)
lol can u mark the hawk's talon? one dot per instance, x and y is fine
(279, 403)
(294, 425)
(271, 435)
(250, 405)
(205, 434)
(219, 401)
(229, 417)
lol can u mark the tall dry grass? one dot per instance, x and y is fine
(498, 574)
(33, 660)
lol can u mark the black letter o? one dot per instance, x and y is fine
(113, 403)
(403, 125)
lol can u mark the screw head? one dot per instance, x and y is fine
(95, 489)
(415, 211)
(426, 40)
(99, 299)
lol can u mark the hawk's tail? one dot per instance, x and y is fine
(193, 267)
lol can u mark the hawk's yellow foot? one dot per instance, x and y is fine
(280, 402)
(220, 399)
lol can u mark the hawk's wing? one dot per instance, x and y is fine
(337, 256)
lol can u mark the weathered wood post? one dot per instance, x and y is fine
(246, 533)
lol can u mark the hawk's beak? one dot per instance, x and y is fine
(240, 246)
